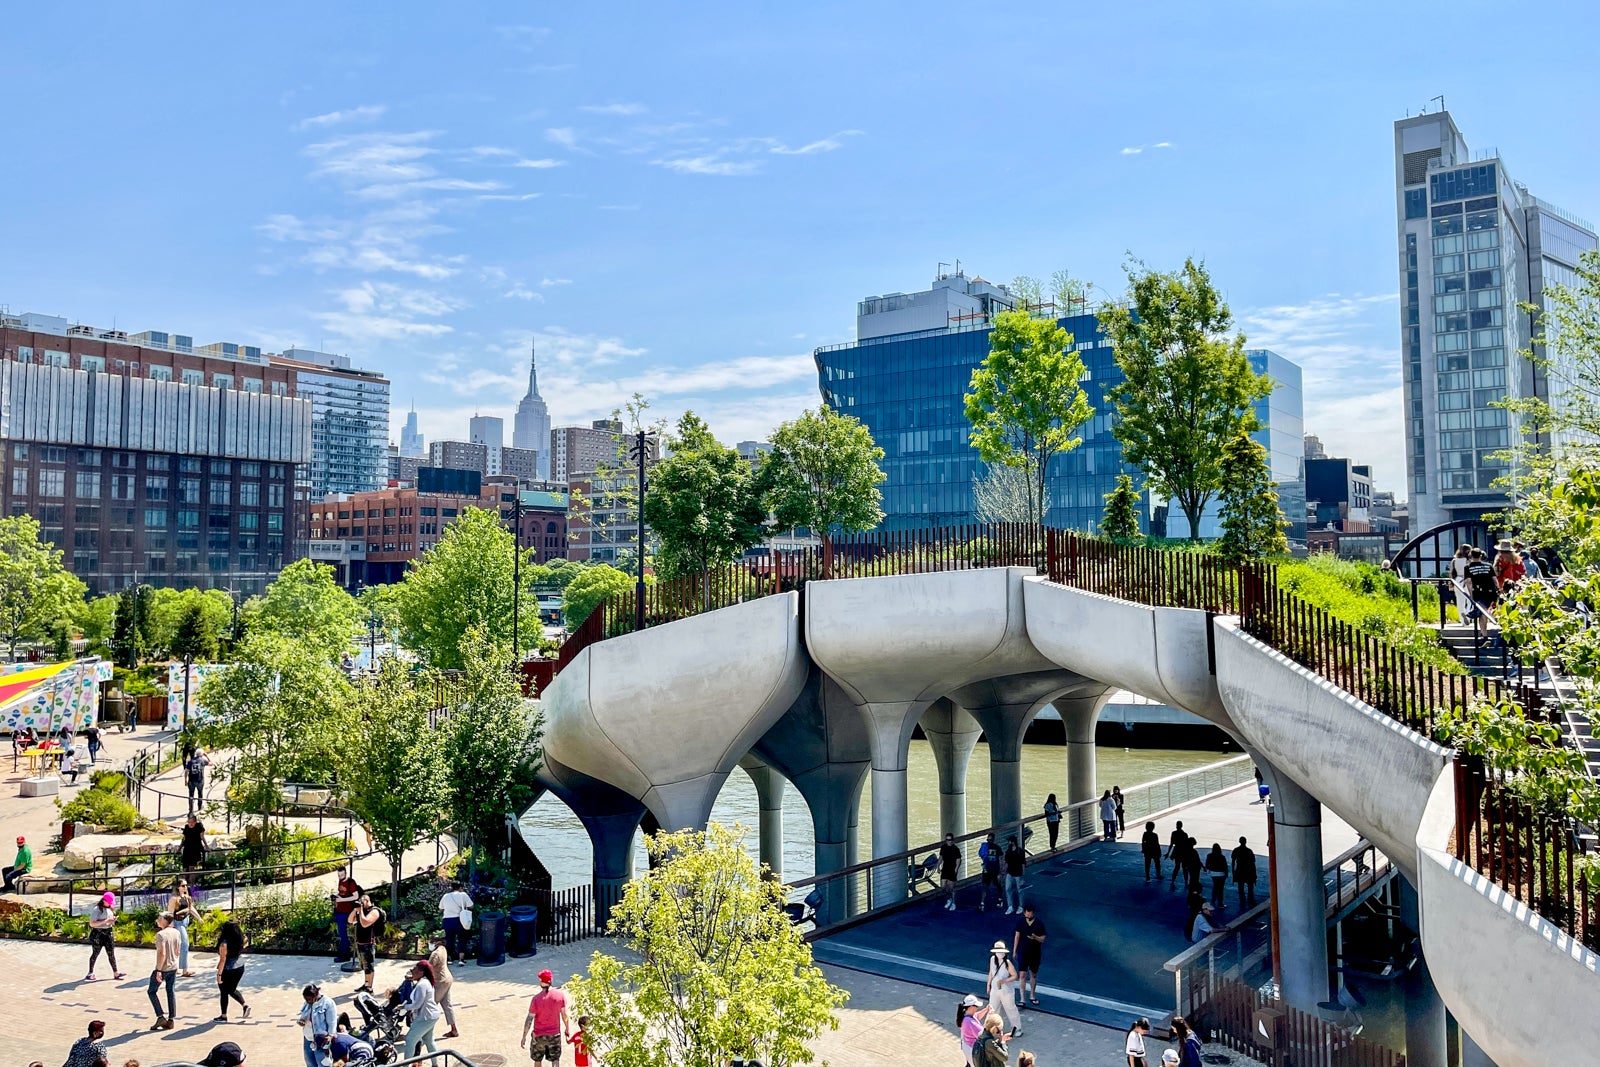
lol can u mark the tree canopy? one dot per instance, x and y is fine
(304, 602)
(722, 973)
(1188, 386)
(186, 620)
(823, 471)
(1252, 521)
(1026, 401)
(1121, 522)
(595, 585)
(702, 502)
(37, 593)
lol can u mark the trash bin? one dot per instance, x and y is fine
(491, 939)
(523, 939)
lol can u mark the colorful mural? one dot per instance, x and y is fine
(46, 697)
(198, 672)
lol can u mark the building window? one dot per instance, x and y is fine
(282, 389)
(24, 354)
(19, 481)
(249, 469)
(195, 377)
(225, 381)
(275, 495)
(1416, 207)
(275, 520)
(122, 487)
(253, 385)
(155, 487)
(156, 518)
(222, 491)
(92, 364)
(89, 562)
(189, 490)
(251, 520)
(164, 374)
(158, 463)
(190, 520)
(250, 494)
(88, 485)
(52, 483)
(52, 358)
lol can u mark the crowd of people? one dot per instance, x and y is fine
(1480, 583)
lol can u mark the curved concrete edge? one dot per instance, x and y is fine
(1374, 772)
(1183, 663)
(677, 705)
(1514, 982)
(1096, 636)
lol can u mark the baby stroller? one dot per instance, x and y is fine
(383, 1026)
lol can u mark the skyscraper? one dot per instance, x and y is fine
(411, 437)
(490, 432)
(349, 420)
(531, 429)
(1474, 247)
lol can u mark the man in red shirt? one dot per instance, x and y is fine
(548, 1019)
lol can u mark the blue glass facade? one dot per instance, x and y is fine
(908, 388)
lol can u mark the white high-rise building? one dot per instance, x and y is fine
(531, 429)
(349, 420)
(410, 437)
(490, 432)
(1475, 246)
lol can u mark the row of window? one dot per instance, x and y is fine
(92, 457)
(50, 357)
(1459, 342)
(1455, 264)
(1483, 298)
(1477, 221)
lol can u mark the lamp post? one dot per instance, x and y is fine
(372, 641)
(188, 672)
(639, 449)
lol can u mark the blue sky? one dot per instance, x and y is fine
(684, 200)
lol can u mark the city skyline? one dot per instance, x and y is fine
(662, 214)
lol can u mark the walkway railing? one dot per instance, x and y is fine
(1258, 1024)
(1393, 681)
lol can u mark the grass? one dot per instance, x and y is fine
(1371, 599)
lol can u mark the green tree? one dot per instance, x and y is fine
(1252, 521)
(198, 633)
(36, 592)
(279, 704)
(167, 608)
(380, 609)
(494, 743)
(395, 773)
(702, 503)
(721, 973)
(1026, 401)
(304, 602)
(586, 592)
(1121, 522)
(466, 580)
(96, 621)
(1188, 387)
(823, 472)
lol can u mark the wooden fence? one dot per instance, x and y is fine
(1260, 1026)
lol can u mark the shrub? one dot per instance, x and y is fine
(102, 808)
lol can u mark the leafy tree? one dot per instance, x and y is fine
(823, 472)
(167, 608)
(1121, 522)
(380, 608)
(304, 602)
(279, 704)
(494, 743)
(702, 502)
(610, 505)
(198, 634)
(586, 592)
(1001, 494)
(1026, 401)
(395, 766)
(96, 620)
(36, 592)
(465, 581)
(1188, 387)
(1252, 522)
(559, 573)
(128, 643)
(721, 973)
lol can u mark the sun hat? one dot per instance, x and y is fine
(108, 898)
(1170, 1056)
(971, 1002)
(1000, 948)
(546, 977)
(1503, 546)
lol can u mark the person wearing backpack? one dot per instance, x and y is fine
(369, 921)
(989, 857)
(1485, 590)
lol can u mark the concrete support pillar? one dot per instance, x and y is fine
(1299, 896)
(612, 838)
(1471, 1054)
(1079, 716)
(769, 798)
(1426, 1026)
(890, 725)
(952, 734)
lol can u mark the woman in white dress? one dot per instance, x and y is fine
(1003, 987)
(1458, 571)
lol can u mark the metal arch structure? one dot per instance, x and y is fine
(1426, 557)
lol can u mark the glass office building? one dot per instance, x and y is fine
(907, 388)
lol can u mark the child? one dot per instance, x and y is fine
(580, 1046)
(1024, 1059)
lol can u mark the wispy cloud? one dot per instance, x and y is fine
(614, 109)
(365, 113)
(741, 155)
(565, 136)
(709, 165)
(826, 144)
(382, 311)
(1140, 149)
(548, 282)
(524, 38)
(617, 207)
(539, 164)
(510, 196)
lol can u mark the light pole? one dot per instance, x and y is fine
(639, 449)
(516, 577)
(188, 672)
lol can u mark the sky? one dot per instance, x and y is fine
(683, 201)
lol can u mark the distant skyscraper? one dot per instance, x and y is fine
(1474, 247)
(490, 432)
(531, 430)
(410, 439)
(349, 420)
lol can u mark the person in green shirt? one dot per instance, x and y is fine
(20, 866)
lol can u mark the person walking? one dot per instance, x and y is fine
(457, 908)
(1508, 568)
(102, 935)
(192, 849)
(548, 1020)
(21, 865)
(1263, 791)
(1122, 819)
(1003, 987)
(989, 858)
(1175, 842)
(1150, 846)
(369, 923)
(230, 968)
(1027, 947)
(1052, 819)
(318, 1021)
(443, 980)
(1217, 867)
(91, 737)
(990, 1048)
(346, 896)
(182, 907)
(1458, 581)
(91, 1050)
(195, 775)
(1133, 1046)
(949, 870)
(1016, 860)
(1108, 817)
(1244, 874)
(1485, 589)
(1191, 864)
(424, 1008)
(168, 945)
(972, 1013)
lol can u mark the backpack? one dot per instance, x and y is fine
(377, 927)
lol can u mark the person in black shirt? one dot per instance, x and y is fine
(949, 867)
(1175, 845)
(1150, 845)
(1244, 874)
(1015, 859)
(1485, 589)
(1027, 947)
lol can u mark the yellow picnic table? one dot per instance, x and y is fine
(38, 756)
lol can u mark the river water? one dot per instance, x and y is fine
(562, 844)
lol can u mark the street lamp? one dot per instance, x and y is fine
(638, 450)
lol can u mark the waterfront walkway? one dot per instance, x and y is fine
(1109, 931)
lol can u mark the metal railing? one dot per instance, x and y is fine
(103, 863)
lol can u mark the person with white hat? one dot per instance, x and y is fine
(101, 920)
(973, 1009)
(1003, 987)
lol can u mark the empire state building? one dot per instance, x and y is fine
(532, 426)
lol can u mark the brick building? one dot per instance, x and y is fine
(146, 458)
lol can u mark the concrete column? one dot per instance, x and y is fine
(852, 852)
(889, 728)
(769, 797)
(1471, 1054)
(1300, 896)
(1078, 718)
(1426, 1027)
(612, 838)
(952, 734)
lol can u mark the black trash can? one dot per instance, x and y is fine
(524, 937)
(491, 939)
